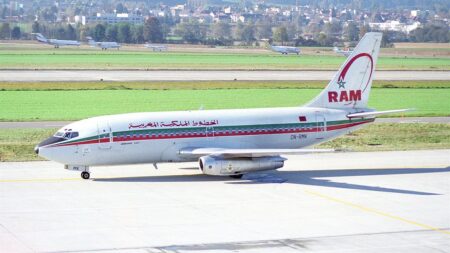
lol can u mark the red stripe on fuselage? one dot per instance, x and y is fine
(226, 133)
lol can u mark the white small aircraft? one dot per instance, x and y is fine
(104, 45)
(54, 42)
(345, 53)
(154, 47)
(224, 142)
(285, 49)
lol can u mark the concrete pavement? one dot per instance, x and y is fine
(199, 75)
(339, 202)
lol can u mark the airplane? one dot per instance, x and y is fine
(285, 49)
(56, 43)
(155, 47)
(345, 53)
(104, 45)
(224, 142)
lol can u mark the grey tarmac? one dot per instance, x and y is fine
(58, 124)
(336, 202)
(200, 75)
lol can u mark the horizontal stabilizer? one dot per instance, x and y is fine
(198, 152)
(375, 113)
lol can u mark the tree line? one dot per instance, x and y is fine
(222, 33)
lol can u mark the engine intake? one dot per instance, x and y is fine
(234, 166)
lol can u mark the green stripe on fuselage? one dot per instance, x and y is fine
(217, 128)
(231, 128)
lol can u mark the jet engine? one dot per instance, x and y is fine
(218, 166)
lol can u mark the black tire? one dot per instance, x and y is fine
(85, 175)
(238, 176)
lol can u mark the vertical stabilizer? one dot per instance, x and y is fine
(350, 87)
(41, 38)
(91, 41)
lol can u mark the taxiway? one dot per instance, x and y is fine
(339, 202)
(206, 75)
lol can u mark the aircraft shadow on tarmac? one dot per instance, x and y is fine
(301, 177)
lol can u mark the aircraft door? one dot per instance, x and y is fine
(321, 125)
(104, 135)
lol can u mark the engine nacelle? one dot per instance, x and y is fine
(234, 166)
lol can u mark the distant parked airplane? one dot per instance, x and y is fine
(285, 49)
(155, 47)
(342, 52)
(104, 44)
(224, 142)
(56, 43)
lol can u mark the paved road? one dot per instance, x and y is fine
(57, 124)
(175, 75)
(340, 202)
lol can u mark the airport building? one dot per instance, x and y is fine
(110, 18)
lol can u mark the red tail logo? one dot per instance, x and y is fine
(344, 96)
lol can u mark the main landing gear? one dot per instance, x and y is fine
(237, 176)
(85, 175)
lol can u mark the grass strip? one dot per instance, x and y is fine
(113, 59)
(79, 104)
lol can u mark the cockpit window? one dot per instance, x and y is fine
(66, 135)
(59, 134)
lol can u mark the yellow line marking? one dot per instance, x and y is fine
(371, 210)
(38, 180)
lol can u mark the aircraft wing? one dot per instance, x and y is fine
(224, 152)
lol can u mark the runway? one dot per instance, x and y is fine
(58, 124)
(209, 75)
(339, 202)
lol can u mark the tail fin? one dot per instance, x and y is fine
(91, 41)
(350, 87)
(40, 37)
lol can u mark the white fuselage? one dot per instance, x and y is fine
(159, 137)
(106, 45)
(56, 42)
(158, 48)
(286, 50)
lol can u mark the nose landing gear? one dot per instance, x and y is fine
(85, 175)
(83, 168)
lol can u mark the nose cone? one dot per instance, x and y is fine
(47, 142)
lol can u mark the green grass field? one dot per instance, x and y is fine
(78, 104)
(18, 144)
(88, 59)
(388, 136)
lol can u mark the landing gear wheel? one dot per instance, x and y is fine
(85, 175)
(238, 176)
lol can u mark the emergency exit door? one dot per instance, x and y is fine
(104, 137)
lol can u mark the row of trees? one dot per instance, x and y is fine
(126, 33)
(222, 33)
(6, 32)
(121, 32)
(431, 32)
